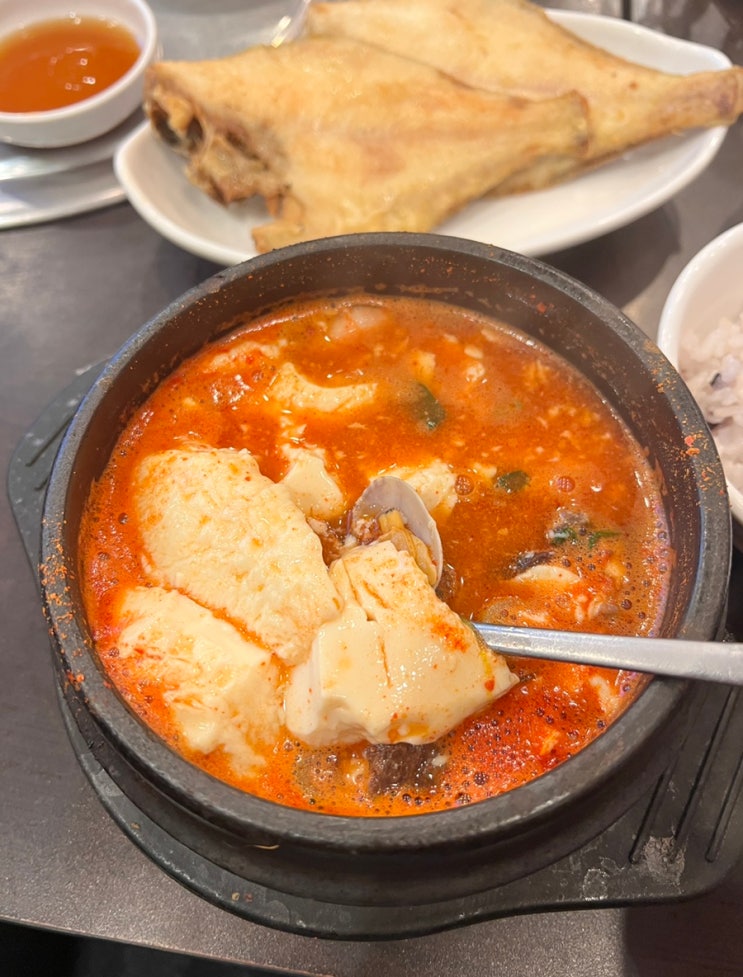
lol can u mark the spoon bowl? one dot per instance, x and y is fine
(387, 493)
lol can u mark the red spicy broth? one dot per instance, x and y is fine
(552, 518)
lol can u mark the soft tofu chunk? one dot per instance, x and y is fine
(222, 690)
(216, 529)
(246, 352)
(311, 487)
(435, 483)
(341, 693)
(290, 389)
(422, 365)
(398, 664)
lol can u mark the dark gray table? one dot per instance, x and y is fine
(71, 293)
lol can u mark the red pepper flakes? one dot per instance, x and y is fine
(689, 441)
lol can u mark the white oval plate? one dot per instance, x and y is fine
(533, 224)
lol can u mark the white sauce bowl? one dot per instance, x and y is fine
(708, 289)
(103, 111)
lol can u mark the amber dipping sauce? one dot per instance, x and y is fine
(54, 63)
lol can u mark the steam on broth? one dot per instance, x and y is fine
(243, 623)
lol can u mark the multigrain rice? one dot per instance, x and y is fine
(712, 366)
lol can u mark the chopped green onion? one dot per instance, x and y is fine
(598, 535)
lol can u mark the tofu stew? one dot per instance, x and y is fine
(307, 658)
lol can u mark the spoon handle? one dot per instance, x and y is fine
(709, 661)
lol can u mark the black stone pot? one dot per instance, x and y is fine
(413, 861)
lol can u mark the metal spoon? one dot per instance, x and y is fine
(710, 661)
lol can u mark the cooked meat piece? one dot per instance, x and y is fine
(512, 45)
(338, 136)
(530, 558)
(401, 765)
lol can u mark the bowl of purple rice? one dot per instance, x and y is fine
(701, 333)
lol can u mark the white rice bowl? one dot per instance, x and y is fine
(701, 333)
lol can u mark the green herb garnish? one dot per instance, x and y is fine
(513, 481)
(563, 534)
(428, 409)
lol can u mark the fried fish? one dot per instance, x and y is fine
(339, 137)
(513, 46)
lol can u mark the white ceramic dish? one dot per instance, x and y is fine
(708, 289)
(533, 224)
(103, 111)
(74, 191)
